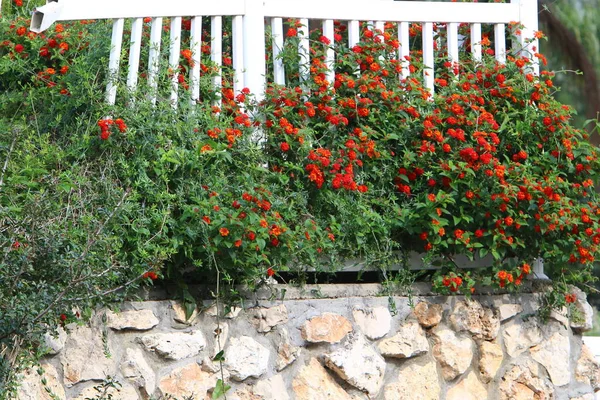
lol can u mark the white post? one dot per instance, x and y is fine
(114, 60)
(254, 48)
(528, 11)
(428, 56)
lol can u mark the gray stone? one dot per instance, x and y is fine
(287, 353)
(585, 313)
(245, 357)
(472, 317)
(409, 341)
(135, 368)
(232, 312)
(265, 319)
(175, 345)
(85, 358)
(358, 364)
(55, 341)
(506, 311)
(374, 323)
(454, 353)
(555, 354)
(141, 320)
(519, 337)
(220, 334)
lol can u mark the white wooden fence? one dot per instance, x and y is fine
(249, 18)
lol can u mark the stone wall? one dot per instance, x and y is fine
(490, 347)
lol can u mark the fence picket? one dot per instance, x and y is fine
(277, 44)
(196, 48)
(154, 57)
(134, 53)
(116, 44)
(237, 32)
(428, 55)
(216, 53)
(404, 49)
(476, 41)
(452, 29)
(303, 51)
(328, 32)
(174, 51)
(500, 43)
(353, 33)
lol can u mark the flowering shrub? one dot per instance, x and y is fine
(370, 166)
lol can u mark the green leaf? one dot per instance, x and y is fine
(220, 356)
(220, 389)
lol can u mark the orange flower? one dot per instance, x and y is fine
(224, 232)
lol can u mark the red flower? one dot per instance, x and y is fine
(284, 146)
(292, 32)
(570, 298)
(224, 232)
(270, 272)
(206, 219)
(19, 48)
(63, 317)
(104, 135)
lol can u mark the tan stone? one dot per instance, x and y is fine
(141, 320)
(32, 388)
(428, 315)
(525, 381)
(179, 314)
(229, 313)
(409, 341)
(585, 320)
(287, 353)
(245, 357)
(85, 358)
(555, 354)
(519, 337)
(454, 353)
(506, 311)
(469, 388)
(220, 333)
(588, 368)
(417, 380)
(374, 323)
(186, 381)
(175, 345)
(135, 368)
(490, 359)
(122, 392)
(588, 396)
(265, 319)
(472, 317)
(314, 383)
(271, 389)
(55, 341)
(327, 327)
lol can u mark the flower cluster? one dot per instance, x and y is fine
(106, 124)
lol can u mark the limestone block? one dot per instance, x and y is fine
(179, 314)
(122, 392)
(585, 321)
(554, 354)
(287, 353)
(85, 359)
(358, 364)
(506, 311)
(32, 388)
(327, 327)
(374, 323)
(454, 353)
(519, 337)
(135, 368)
(141, 320)
(588, 396)
(490, 359)
(314, 383)
(55, 341)
(472, 317)
(271, 389)
(417, 380)
(428, 314)
(188, 381)
(409, 341)
(265, 319)
(232, 312)
(175, 345)
(469, 388)
(220, 334)
(245, 357)
(523, 381)
(588, 368)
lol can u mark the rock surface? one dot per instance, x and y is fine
(32, 388)
(468, 388)
(490, 360)
(141, 320)
(287, 353)
(175, 345)
(506, 311)
(273, 388)
(554, 354)
(179, 314)
(374, 323)
(123, 392)
(428, 315)
(586, 320)
(454, 353)
(327, 327)
(245, 357)
(86, 357)
(472, 317)
(55, 341)
(409, 341)
(266, 319)
(523, 381)
(519, 337)
(314, 383)
(417, 380)
(358, 364)
(135, 368)
(186, 381)
(588, 369)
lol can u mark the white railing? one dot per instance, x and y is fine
(249, 18)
